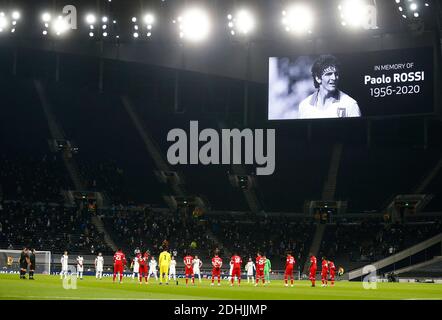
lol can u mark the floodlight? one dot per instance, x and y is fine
(298, 19)
(194, 25)
(3, 22)
(149, 19)
(46, 17)
(91, 19)
(60, 26)
(411, 8)
(243, 22)
(353, 12)
(15, 15)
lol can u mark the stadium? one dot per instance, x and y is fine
(268, 150)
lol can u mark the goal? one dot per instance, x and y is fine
(9, 261)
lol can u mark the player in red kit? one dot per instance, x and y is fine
(332, 270)
(313, 267)
(289, 266)
(260, 264)
(217, 263)
(188, 263)
(236, 261)
(143, 260)
(119, 263)
(324, 271)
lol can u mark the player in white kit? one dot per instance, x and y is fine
(152, 268)
(80, 267)
(172, 269)
(197, 263)
(136, 267)
(99, 263)
(64, 265)
(250, 266)
(230, 271)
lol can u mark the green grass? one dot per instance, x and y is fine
(50, 287)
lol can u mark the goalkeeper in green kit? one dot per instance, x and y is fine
(267, 269)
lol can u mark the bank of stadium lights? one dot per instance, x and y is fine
(57, 26)
(149, 20)
(410, 8)
(98, 26)
(4, 22)
(193, 25)
(60, 26)
(8, 23)
(144, 26)
(242, 23)
(298, 19)
(352, 13)
(46, 18)
(91, 20)
(104, 26)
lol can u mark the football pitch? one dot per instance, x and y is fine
(51, 288)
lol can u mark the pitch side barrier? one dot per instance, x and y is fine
(358, 273)
(179, 275)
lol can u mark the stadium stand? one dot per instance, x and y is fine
(273, 236)
(381, 173)
(356, 244)
(32, 178)
(299, 177)
(90, 119)
(210, 182)
(147, 229)
(49, 226)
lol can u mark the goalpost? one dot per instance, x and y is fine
(9, 261)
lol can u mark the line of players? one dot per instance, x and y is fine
(328, 270)
(193, 266)
(99, 265)
(139, 267)
(263, 268)
(167, 264)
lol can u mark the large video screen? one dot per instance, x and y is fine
(365, 84)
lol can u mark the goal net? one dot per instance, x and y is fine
(9, 261)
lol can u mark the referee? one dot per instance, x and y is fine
(24, 261)
(32, 264)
